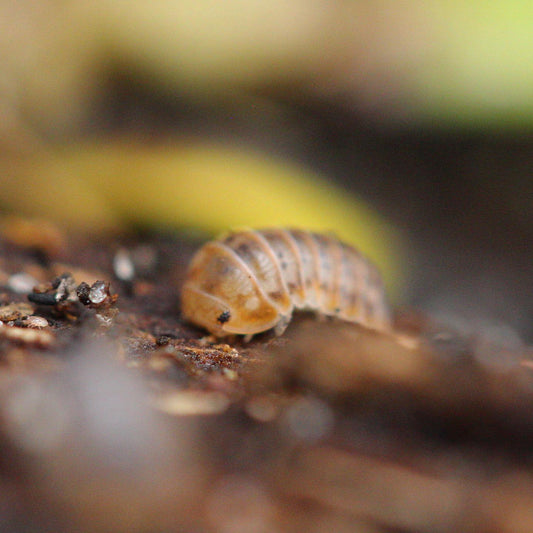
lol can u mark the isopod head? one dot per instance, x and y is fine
(221, 295)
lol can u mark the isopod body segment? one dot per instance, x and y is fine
(251, 281)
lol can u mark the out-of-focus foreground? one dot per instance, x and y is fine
(117, 416)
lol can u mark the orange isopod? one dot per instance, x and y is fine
(251, 281)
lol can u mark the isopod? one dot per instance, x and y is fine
(251, 281)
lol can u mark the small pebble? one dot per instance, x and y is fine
(123, 265)
(98, 292)
(36, 322)
(21, 283)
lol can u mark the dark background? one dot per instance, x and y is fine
(462, 199)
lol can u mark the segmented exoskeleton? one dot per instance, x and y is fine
(250, 281)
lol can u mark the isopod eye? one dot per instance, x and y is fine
(224, 317)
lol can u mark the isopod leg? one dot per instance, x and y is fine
(281, 326)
